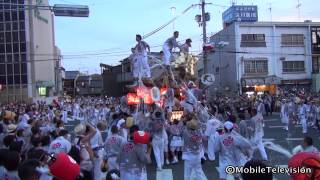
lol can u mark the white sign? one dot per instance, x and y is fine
(207, 79)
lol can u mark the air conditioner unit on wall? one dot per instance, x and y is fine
(282, 58)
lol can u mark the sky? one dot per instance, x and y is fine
(107, 35)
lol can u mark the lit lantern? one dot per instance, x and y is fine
(147, 98)
(163, 90)
(133, 99)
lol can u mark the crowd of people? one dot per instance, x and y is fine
(41, 140)
(231, 128)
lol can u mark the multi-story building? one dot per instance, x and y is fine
(263, 56)
(69, 82)
(89, 85)
(27, 51)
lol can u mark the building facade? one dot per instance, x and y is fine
(263, 56)
(27, 51)
(69, 82)
(89, 85)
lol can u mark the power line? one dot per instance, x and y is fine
(168, 23)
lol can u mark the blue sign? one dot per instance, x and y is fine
(240, 14)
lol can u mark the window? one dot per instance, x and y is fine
(14, 15)
(17, 79)
(16, 68)
(1, 27)
(8, 37)
(293, 66)
(3, 80)
(259, 66)
(24, 79)
(253, 40)
(16, 48)
(2, 48)
(8, 48)
(9, 69)
(42, 91)
(315, 65)
(2, 69)
(7, 16)
(15, 35)
(23, 68)
(23, 47)
(21, 15)
(2, 59)
(10, 79)
(16, 57)
(22, 36)
(22, 25)
(15, 26)
(8, 26)
(292, 39)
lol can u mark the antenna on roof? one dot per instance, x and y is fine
(298, 7)
(270, 11)
(233, 2)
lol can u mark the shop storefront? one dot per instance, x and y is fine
(260, 85)
(299, 84)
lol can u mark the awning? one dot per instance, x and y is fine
(272, 80)
(252, 82)
(296, 82)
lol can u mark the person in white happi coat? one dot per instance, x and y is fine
(185, 50)
(169, 102)
(176, 142)
(168, 46)
(190, 102)
(133, 158)
(193, 150)
(260, 107)
(64, 117)
(156, 128)
(97, 143)
(141, 51)
(257, 121)
(76, 110)
(113, 146)
(284, 115)
(61, 143)
(229, 145)
(302, 112)
(307, 146)
(212, 134)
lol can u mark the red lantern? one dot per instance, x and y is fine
(133, 99)
(163, 90)
(306, 160)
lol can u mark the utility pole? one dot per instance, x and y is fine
(204, 35)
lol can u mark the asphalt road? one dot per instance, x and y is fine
(273, 133)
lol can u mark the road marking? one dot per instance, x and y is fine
(68, 125)
(277, 126)
(165, 174)
(294, 139)
(298, 125)
(268, 139)
(269, 120)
